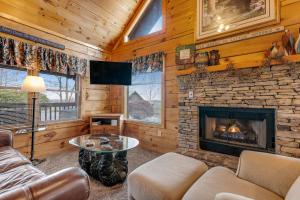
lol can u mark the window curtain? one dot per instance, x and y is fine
(23, 55)
(147, 64)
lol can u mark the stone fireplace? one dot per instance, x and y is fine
(273, 89)
(231, 130)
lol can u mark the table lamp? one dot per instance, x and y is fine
(33, 84)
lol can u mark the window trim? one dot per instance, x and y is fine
(79, 99)
(162, 123)
(135, 19)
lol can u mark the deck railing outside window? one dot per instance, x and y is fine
(20, 113)
(58, 111)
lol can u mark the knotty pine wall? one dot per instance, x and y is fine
(94, 99)
(97, 22)
(180, 22)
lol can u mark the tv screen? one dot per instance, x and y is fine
(110, 73)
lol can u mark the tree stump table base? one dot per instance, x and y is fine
(107, 168)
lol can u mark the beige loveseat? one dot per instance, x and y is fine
(260, 176)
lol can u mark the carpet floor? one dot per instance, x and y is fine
(136, 157)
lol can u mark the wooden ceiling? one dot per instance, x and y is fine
(96, 22)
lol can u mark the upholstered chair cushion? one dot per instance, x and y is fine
(19, 176)
(220, 179)
(167, 177)
(11, 158)
(273, 172)
(230, 196)
(294, 192)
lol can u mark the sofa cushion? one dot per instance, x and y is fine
(273, 172)
(18, 177)
(230, 196)
(11, 158)
(294, 192)
(166, 177)
(220, 179)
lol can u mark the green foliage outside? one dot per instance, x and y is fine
(43, 99)
(14, 96)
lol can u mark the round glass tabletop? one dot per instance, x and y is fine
(104, 143)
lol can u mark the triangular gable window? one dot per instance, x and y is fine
(149, 22)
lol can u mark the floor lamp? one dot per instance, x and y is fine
(33, 84)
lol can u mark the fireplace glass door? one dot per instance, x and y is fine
(231, 130)
(237, 131)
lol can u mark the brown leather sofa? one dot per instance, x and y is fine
(19, 180)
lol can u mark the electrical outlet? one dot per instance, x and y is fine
(191, 94)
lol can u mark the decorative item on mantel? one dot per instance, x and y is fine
(288, 42)
(185, 56)
(201, 59)
(214, 57)
(277, 53)
(297, 44)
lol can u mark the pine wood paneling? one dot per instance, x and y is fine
(180, 23)
(96, 22)
(179, 30)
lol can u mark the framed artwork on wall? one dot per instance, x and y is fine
(219, 18)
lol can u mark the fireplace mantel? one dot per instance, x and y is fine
(237, 64)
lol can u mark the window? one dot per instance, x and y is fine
(61, 100)
(144, 98)
(13, 102)
(151, 21)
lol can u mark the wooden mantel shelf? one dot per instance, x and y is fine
(237, 65)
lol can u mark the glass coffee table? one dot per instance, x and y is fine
(104, 157)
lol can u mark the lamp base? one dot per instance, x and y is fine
(36, 162)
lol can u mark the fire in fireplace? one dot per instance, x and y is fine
(231, 130)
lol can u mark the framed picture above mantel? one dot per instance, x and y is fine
(221, 18)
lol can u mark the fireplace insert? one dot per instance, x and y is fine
(232, 130)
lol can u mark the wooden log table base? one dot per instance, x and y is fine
(107, 168)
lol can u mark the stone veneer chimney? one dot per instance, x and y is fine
(270, 87)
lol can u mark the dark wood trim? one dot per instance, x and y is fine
(32, 38)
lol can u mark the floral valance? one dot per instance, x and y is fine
(147, 64)
(23, 55)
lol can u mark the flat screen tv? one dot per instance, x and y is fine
(110, 73)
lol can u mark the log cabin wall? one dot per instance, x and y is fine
(180, 22)
(94, 99)
(179, 30)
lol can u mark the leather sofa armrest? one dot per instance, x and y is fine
(68, 184)
(6, 138)
(230, 196)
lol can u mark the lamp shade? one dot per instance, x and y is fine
(33, 84)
